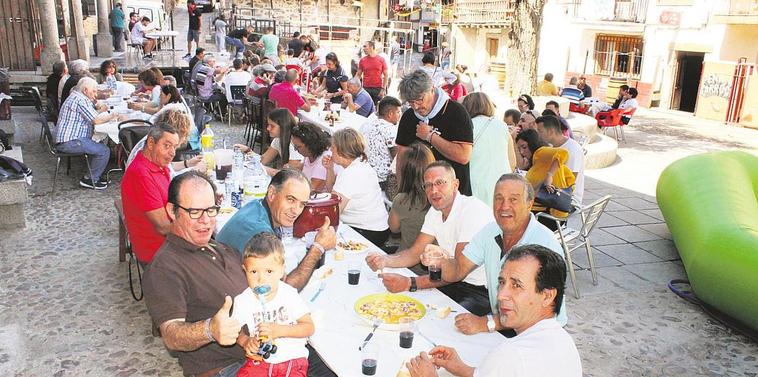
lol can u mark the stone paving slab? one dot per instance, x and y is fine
(599, 236)
(631, 233)
(659, 229)
(635, 217)
(664, 249)
(601, 259)
(628, 254)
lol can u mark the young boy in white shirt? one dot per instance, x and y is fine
(273, 311)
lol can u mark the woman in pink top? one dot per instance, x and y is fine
(313, 143)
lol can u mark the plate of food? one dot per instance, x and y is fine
(227, 211)
(351, 247)
(389, 308)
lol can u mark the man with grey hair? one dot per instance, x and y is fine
(144, 192)
(205, 78)
(77, 69)
(285, 199)
(286, 96)
(514, 225)
(76, 122)
(440, 123)
(358, 100)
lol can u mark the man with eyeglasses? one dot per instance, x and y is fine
(452, 222)
(144, 192)
(191, 281)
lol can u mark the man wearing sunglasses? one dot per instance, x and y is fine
(144, 192)
(191, 281)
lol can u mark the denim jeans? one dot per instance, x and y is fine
(236, 43)
(98, 154)
(231, 370)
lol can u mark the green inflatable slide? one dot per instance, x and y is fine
(710, 203)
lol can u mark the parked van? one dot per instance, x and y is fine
(153, 10)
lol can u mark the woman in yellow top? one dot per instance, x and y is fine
(547, 166)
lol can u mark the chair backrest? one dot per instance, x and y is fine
(49, 140)
(129, 136)
(610, 118)
(237, 93)
(591, 214)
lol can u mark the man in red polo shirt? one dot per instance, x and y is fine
(285, 95)
(144, 192)
(372, 69)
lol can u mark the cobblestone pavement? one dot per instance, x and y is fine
(65, 307)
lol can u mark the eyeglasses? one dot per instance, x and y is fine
(418, 101)
(196, 213)
(438, 184)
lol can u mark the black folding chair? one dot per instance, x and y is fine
(48, 135)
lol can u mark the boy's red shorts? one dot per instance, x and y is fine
(296, 367)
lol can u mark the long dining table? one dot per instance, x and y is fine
(347, 119)
(340, 330)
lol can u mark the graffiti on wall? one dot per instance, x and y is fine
(715, 85)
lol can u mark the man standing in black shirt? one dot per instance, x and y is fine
(239, 38)
(295, 44)
(193, 33)
(440, 123)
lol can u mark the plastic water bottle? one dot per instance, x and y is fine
(206, 139)
(258, 179)
(110, 81)
(239, 160)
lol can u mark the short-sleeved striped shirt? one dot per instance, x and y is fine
(75, 118)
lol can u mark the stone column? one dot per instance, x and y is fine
(103, 37)
(51, 52)
(78, 46)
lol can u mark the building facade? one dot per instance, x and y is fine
(696, 56)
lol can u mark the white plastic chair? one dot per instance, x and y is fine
(572, 239)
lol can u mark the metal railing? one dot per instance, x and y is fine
(743, 7)
(481, 12)
(610, 10)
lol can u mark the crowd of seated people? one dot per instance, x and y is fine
(435, 166)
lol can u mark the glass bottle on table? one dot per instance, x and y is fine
(207, 146)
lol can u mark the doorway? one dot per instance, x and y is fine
(689, 68)
(492, 47)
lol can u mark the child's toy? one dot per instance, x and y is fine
(266, 346)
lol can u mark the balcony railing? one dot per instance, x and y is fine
(743, 8)
(480, 12)
(610, 10)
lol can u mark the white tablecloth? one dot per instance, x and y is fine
(339, 330)
(110, 129)
(347, 119)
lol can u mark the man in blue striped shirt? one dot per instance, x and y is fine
(76, 122)
(572, 92)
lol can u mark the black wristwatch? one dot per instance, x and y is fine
(413, 285)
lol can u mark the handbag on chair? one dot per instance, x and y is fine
(560, 199)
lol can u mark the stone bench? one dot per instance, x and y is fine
(9, 126)
(13, 196)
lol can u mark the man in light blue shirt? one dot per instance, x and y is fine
(514, 226)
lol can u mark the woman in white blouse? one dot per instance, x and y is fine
(362, 206)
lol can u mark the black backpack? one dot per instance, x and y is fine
(11, 169)
(5, 144)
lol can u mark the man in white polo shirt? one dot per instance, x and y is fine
(452, 222)
(549, 128)
(531, 287)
